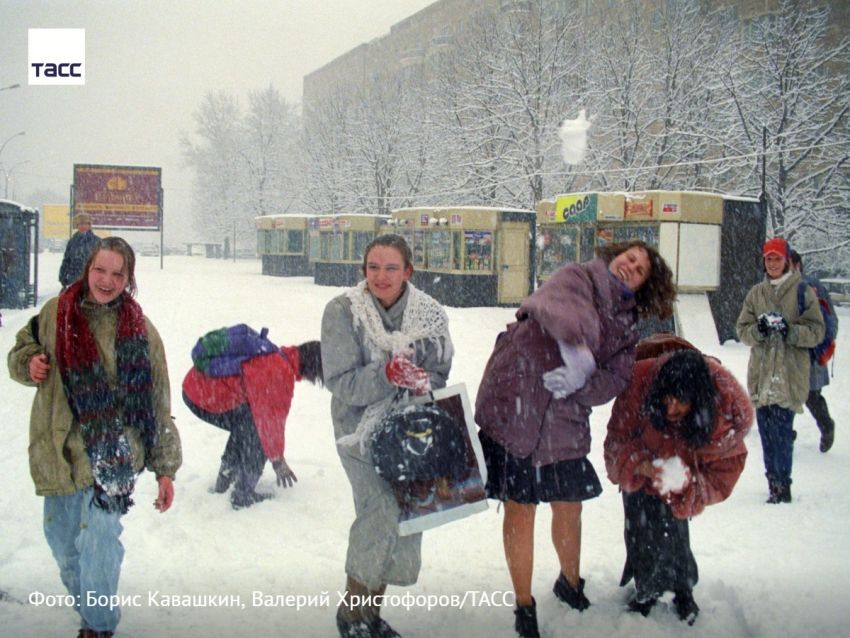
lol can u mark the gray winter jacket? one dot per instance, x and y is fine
(354, 379)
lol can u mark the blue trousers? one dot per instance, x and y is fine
(776, 429)
(85, 542)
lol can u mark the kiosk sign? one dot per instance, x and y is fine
(119, 196)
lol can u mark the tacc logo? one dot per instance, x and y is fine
(57, 56)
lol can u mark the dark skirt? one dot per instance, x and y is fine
(510, 478)
(658, 547)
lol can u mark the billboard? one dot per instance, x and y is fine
(119, 196)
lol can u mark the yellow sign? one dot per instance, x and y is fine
(56, 220)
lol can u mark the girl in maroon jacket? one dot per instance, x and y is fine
(571, 348)
(675, 444)
(252, 405)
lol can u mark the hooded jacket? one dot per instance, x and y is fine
(59, 464)
(580, 304)
(778, 370)
(266, 384)
(714, 467)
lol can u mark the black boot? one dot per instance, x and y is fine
(355, 621)
(827, 436)
(686, 607)
(380, 627)
(223, 480)
(240, 500)
(779, 493)
(354, 628)
(642, 606)
(573, 596)
(525, 621)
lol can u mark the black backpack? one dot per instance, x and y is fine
(418, 442)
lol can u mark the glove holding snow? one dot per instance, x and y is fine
(579, 364)
(402, 372)
(772, 323)
(670, 476)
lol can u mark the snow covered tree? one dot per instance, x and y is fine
(219, 170)
(657, 104)
(792, 87)
(514, 77)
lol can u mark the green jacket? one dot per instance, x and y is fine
(778, 371)
(59, 464)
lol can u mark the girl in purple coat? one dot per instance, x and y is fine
(571, 348)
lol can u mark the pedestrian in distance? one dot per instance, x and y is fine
(779, 330)
(380, 338)
(243, 383)
(675, 445)
(571, 348)
(101, 414)
(819, 375)
(77, 251)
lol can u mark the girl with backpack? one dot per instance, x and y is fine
(243, 383)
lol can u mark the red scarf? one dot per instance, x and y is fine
(102, 413)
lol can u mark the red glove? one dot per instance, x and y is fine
(402, 372)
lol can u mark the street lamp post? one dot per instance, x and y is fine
(10, 139)
(7, 175)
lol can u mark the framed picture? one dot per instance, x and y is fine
(426, 504)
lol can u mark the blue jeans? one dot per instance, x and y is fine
(776, 428)
(85, 542)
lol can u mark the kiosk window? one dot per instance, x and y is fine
(295, 241)
(478, 250)
(418, 248)
(333, 246)
(263, 239)
(278, 241)
(439, 250)
(559, 247)
(361, 240)
(646, 232)
(315, 246)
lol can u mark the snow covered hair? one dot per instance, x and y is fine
(686, 377)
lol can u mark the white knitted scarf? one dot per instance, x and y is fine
(424, 320)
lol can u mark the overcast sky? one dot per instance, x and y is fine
(148, 65)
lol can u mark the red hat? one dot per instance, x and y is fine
(777, 246)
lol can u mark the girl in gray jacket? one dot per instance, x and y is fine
(379, 338)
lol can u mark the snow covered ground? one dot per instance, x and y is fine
(765, 570)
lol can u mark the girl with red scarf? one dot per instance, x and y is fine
(101, 414)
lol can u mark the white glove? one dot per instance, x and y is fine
(579, 364)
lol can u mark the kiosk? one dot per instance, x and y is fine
(470, 256)
(712, 242)
(284, 246)
(18, 255)
(341, 242)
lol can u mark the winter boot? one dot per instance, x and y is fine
(686, 606)
(240, 500)
(573, 596)
(380, 627)
(224, 479)
(354, 618)
(353, 628)
(642, 606)
(779, 493)
(827, 436)
(525, 621)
